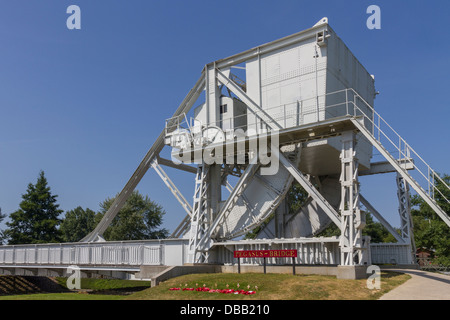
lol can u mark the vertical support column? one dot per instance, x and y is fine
(404, 210)
(280, 214)
(199, 218)
(212, 96)
(352, 221)
(253, 80)
(214, 191)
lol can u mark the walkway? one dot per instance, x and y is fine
(422, 286)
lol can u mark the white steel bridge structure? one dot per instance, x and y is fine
(298, 109)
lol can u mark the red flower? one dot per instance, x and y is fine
(205, 289)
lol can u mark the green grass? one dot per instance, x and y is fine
(106, 284)
(271, 287)
(92, 289)
(62, 296)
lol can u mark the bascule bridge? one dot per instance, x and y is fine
(295, 110)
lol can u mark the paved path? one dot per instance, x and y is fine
(422, 286)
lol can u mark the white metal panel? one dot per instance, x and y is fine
(291, 74)
(200, 114)
(391, 253)
(31, 255)
(305, 71)
(212, 96)
(253, 81)
(348, 72)
(152, 255)
(9, 255)
(345, 71)
(43, 255)
(174, 254)
(66, 255)
(320, 251)
(112, 254)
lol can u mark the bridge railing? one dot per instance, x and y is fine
(95, 253)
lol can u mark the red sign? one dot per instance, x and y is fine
(265, 254)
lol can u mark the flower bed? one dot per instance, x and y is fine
(206, 289)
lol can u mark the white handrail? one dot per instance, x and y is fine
(380, 128)
(102, 253)
(431, 174)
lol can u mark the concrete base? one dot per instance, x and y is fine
(148, 272)
(351, 272)
(299, 269)
(166, 272)
(176, 271)
(158, 274)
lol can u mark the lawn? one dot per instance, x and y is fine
(62, 296)
(270, 287)
(92, 289)
(266, 286)
(107, 284)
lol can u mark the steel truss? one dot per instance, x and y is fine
(404, 210)
(205, 217)
(352, 220)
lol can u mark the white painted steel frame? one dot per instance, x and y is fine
(93, 254)
(404, 210)
(351, 243)
(403, 172)
(199, 220)
(214, 70)
(310, 251)
(172, 187)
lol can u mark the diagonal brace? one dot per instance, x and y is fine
(381, 219)
(307, 185)
(257, 110)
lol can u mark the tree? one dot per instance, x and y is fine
(77, 224)
(377, 232)
(296, 197)
(2, 233)
(430, 231)
(138, 219)
(37, 219)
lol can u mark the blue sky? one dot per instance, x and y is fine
(85, 105)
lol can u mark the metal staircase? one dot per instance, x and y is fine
(382, 136)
